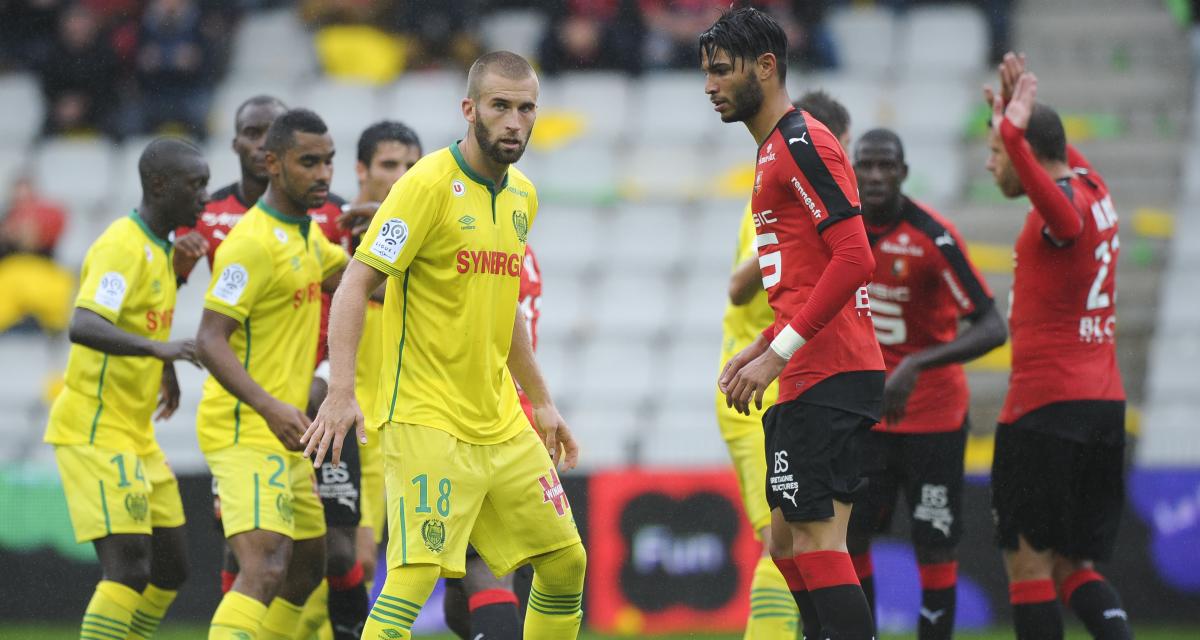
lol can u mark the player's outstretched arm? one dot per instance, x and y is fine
(549, 423)
(983, 333)
(340, 409)
(212, 345)
(93, 331)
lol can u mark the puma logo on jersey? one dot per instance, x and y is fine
(932, 616)
(790, 497)
(801, 138)
(1109, 614)
(944, 240)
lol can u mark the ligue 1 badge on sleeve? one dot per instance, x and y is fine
(521, 224)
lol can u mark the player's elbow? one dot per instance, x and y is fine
(740, 293)
(994, 328)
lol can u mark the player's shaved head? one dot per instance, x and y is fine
(282, 134)
(826, 110)
(505, 64)
(881, 138)
(164, 157)
(1046, 135)
(745, 34)
(257, 101)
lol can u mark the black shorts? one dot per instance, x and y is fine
(339, 486)
(928, 468)
(812, 458)
(1059, 493)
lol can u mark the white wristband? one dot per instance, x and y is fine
(322, 371)
(787, 342)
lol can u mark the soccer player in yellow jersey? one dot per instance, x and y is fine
(121, 494)
(461, 462)
(258, 338)
(773, 612)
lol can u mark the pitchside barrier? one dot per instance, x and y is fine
(668, 551)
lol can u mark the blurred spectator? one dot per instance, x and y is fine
(172, 68)
(592, 34)
(31, 224)
(812, 44)
(672, 27)
(439, 32)
(27, 29)
(79, 76)
(33, 285)
(997, 12)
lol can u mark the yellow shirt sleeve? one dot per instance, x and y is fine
(242, 271)
(747, 238)
(400, 227)
(110, 272)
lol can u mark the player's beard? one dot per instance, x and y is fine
(747, 99)
(493, 150)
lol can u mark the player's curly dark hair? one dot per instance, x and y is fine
(826, 110)
(281, 135)
(385, 131)
(745, 34)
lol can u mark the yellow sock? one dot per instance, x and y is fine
(556, 598)
(238, 617)
(316, 612)
(773, 612)
(281, 622)
(150, 612)
(109, 612)
(404, 593)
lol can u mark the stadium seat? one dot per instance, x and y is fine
(862, 96)
(936, 171)
(235, 90)
(12, 164)
(629, 303)
(690, 368)
(75, 171)
(273, 44)
(705, 294)
(617, 371)
(23, 108)
(683, 437)
(932, 109)
(670, 108)
(347, 108)
(645, 238)
(602, 98)
(429, 102)
(866, 39)
(944, 40)
(559, 177)
(607, 436)
(566, 308)
(516, 30)
(567, 239)
(661, 172)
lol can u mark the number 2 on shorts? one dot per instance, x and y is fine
(443, 502)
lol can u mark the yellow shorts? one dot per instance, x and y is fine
(269, 490)
(371, 497)
(111, 492)
(505, 499)
(744, 438)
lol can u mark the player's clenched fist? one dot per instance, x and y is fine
(328, 430)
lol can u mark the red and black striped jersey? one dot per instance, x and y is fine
(924, 284)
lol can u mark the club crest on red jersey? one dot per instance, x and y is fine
(757, 182)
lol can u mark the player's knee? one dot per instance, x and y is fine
(365, 552)
(170, 572)
(340, 551)
(935, 555)
(565, 567)
(126, 559)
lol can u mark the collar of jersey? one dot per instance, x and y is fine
(165, 245)
(301, 221)
(466, 168)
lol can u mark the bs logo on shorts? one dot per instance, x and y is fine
(137, 505)
(434, 533)
(521, 224)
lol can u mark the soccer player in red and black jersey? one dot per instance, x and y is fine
(815, 261)
(924, 285)
(1058, 473)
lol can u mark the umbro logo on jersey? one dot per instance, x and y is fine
(802, 138)
(467, 223)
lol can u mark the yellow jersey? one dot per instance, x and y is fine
(267, 275)
(741, 325)
(109, 401)
(453, 246)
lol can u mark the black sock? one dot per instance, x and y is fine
(810, 623)
(938, 599)
(494, 615)
(864, 567)
(836, 595)
(1036, 614)
(1098, 606)
(348, 604)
